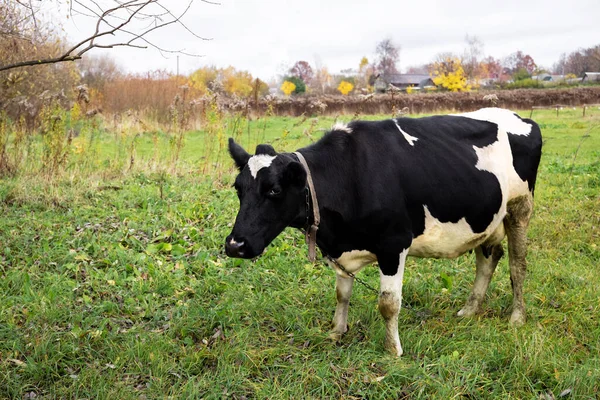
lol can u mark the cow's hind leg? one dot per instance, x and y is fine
(516, 223)
(487, 257)
(343, 290)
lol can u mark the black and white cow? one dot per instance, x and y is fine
(428, 187)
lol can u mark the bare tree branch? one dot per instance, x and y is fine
(179, 18)
(142, 37)
(109, 22)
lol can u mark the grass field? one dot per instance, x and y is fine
(114, 284)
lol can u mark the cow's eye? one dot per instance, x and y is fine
(274, 192)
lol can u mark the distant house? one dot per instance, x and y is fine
(552, 78)
(403, 81)
(589, 77)
(548, 78)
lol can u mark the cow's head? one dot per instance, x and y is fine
(271, 189)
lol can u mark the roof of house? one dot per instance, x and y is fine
(593, 76)
(406, 79)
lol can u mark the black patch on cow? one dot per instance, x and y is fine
(265, 149)
(527, 151)
(439, 171)
(486, 250)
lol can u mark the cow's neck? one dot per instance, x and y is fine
(333, 181)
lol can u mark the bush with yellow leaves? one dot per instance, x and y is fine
(345, 87)
(288, 87)
(450, 75)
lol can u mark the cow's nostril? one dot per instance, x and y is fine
(234, 248)
(236, 245)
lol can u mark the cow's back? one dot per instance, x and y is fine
(453, 175)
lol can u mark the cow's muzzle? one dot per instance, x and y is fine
(234, 248)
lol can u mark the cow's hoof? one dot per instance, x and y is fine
(517, 318)
(468, 311)
(394, 349)
(335, 336)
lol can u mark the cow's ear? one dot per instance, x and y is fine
(295, 174)
(265, 149)
(239, 155)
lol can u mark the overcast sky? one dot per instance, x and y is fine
(265, 37)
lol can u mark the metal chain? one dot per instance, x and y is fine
(362, 282)
(350, 274)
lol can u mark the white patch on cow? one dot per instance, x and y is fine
(353, 261)
(390, 301)
(505, 119)
(258, 162)
(410, 139)
(393, 283)
(497, 158)
(339, 126)
(450, 239)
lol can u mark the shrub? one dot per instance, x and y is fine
(450, 75)
(521, 75)
(345, 87)
(300, 85)
(525, 84)
(288, 87)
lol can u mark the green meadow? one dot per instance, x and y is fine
(114, 282)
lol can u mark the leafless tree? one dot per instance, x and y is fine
(558, 67)
(302, 70)
(472, 55)
(118, 23)
(583, 60)
(388, 55)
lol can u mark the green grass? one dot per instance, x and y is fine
(127, 293)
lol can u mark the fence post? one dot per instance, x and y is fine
(557, 110)
(584, 107)
(531, 113)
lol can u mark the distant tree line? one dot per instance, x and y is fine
(24, 90)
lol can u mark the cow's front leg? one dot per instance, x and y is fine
(343, 290)
(390, 298)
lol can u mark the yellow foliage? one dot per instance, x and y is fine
(288, 87)
(345, 87)
(410, 89)
(234, 82)
(200, 78)
(364, 63)
(450, 74)
(75, 112)
(237, 82)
